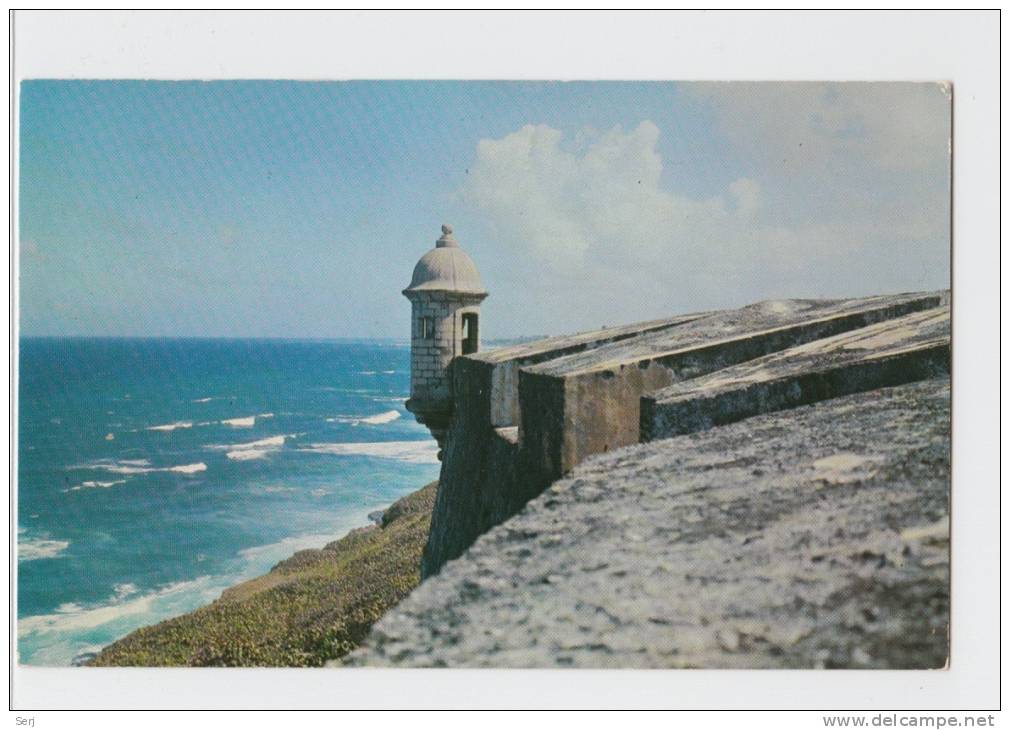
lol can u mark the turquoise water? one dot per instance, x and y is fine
(152, 473)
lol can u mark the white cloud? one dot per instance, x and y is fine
(590, 218)
(569, 207)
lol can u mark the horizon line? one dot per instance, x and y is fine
(313, 338)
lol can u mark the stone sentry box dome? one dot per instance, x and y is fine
(445, 293)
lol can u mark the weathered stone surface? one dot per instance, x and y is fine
(814, 537)
(505, 362)
(580, 395)
(768, 316)
(446, 268)
(482, 458)
(588, 403)
(481, 466)
(913, 347)
(445, 292)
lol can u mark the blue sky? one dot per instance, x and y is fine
(294, 209)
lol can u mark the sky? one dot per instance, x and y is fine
(298, 209)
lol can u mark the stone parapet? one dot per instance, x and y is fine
(813, 537)
(904, 350)
(525, 416)
(590, 402)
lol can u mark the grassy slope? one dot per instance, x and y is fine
(315, 606)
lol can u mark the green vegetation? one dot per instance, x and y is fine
(315, 606)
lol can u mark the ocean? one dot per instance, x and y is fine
(154, 473)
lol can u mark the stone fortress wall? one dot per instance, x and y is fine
(525, 416)
(766, 486)
(815, 537)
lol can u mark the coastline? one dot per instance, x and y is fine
(53, 633)
(315, 605)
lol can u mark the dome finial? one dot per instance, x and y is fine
(447, 240)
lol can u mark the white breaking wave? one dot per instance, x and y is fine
(375, 420)
(274, 552)
(246, 422)
(239, 422)
(57, 638)
(38, 548)
(72, 617)
(122, 468)
(381, 418)
(171, 426)
(260, 558)
(140, 466)
(124, 589)
(188, 468)
(97, 485)
(261, 443)
(249, 454)
(415, 452)
(391, 398)
(203, 400)
(252, 449)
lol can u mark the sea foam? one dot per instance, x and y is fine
(251, 449)
(247, 454)
(57, 638)
(96, 485)
(70, 617)
(414, 452)
(171, 426)
(381, 418)
(376, 420)
(188, 468)
(240, 422)
(38, 548)
(391, 398)
(246, 422)
(139, 466)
